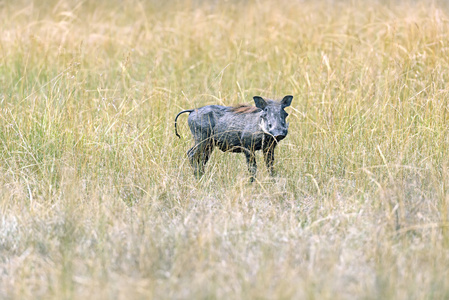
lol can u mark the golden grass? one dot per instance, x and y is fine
(98, 200)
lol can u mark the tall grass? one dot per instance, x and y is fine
(97, 196)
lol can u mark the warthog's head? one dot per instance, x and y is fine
(273, 116)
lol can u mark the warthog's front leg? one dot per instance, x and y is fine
(252, 165)
(268, 154)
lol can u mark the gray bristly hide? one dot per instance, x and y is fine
(237, 129)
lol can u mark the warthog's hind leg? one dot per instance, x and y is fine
(198, 156)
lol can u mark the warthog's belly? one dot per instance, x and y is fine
(228, 148)
(238, 143)
(229, 145)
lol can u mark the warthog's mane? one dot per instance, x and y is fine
(244, 109)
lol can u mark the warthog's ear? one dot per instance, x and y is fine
(260, 102)
(286, 101)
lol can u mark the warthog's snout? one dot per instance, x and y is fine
(280, 134)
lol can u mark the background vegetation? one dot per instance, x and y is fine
(97, 198)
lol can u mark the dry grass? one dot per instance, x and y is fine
(97, 198)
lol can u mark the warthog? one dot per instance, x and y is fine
(237, 129)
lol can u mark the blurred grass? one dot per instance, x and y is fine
(98, 199)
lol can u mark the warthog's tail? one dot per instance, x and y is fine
(176, 127)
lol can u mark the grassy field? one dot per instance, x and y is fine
(97, 198)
